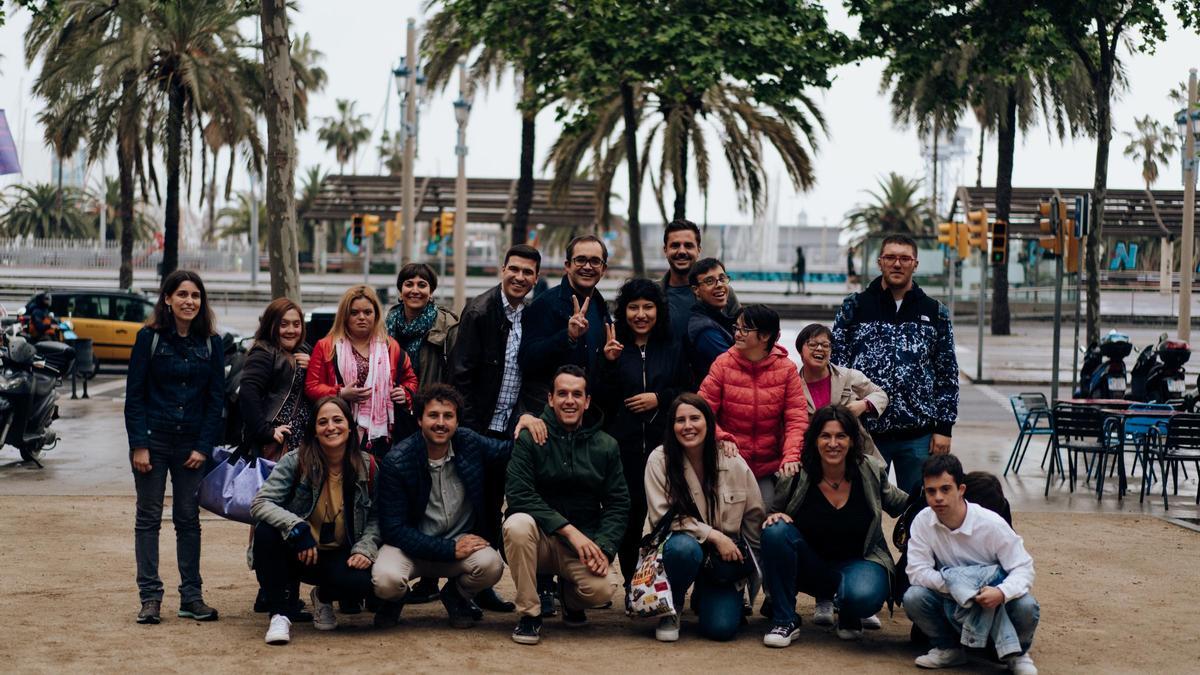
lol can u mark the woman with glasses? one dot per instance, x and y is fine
(710, 330)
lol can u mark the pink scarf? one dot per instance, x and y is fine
(374, 415)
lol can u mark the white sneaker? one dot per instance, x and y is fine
(668, 629)
(942, 658)
(872, 622)
(280, 631)
(849, 633)
(323, 616)
(1021, 665)
(823, 616)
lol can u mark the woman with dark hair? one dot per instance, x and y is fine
(316, 521)
(641, 371)
(174, 398)
(714, 504)
(271, 398)
(827, 538)
(827, 384)
(360, 363)
(424, 329)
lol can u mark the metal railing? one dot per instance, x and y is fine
(91, 254)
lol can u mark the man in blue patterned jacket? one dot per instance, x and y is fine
(903, 341)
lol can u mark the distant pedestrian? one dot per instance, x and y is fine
(851, 274)
(799, 270)
(174, 398)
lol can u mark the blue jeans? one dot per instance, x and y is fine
(719, 606)
(858, 587)
(908, 456)
(167, 455)
(934, 615)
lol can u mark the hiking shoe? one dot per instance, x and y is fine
(457, 607)
(528, 630)
(490, 600)
(1022, 664)
(782, 636)
(280, 630)
(668, 629)
(823, 616)
(150, 612)
(849, 629)
(872, 622)
(547, 599)
(197, 610)
(425, 590)
(942, 658)
(388, 614)
(323, 616)
(574, 618)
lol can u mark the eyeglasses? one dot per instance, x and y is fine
(904, 260)
(709, 282)
(745, 330)
(584, 261)
(819, 346)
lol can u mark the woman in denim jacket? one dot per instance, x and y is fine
(174, 398)
(316, 521)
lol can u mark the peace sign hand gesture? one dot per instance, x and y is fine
(612, 348)
(577, 325)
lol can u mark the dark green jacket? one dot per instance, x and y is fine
(575, 478)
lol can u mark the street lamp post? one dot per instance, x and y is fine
(408, 79)
(1187, 268)
(462, 113)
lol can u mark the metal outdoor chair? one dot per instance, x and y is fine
(1033, 419)
(1179, 444)
(1137, 429)
(1083, 430)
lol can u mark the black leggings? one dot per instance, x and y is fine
(278, 569)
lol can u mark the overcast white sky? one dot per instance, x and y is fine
(362, 40)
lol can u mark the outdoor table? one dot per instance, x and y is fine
(1119, 416)
(1101, 402)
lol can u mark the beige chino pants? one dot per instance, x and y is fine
(531, 552)
(393, 569)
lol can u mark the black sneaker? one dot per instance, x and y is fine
(425, 590)
(388, 614)
(574, 618)
(197, 610)
(150, 612)
(456, 606)
(490, 600)
(350, 607)
(547, 598)
(474, 610)
(528, 630)
(782, 635)
(260, 602)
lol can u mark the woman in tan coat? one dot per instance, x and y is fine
(717, 514)
(827, 384)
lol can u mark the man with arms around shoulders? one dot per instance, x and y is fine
(430, 502)
(710, 326)
(903, 340)
(681, 248)
(567, 507)
(963, 556)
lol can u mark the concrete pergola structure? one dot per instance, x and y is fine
(1127, 213)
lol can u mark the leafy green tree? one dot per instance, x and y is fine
(896, 207)
(344, 133)
(35, 210)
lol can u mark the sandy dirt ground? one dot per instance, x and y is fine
(1116, 594)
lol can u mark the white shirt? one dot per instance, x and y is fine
(982, 539)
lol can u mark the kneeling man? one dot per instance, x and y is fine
(970, 576)
(567, 506)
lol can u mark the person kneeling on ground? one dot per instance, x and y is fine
(567, 507)
(715, 505)
(431, 506)
(826, 536)
(315, 521)
(970, 576)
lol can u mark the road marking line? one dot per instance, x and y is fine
(998, 398)
(106, 387)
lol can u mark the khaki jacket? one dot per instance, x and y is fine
(848, 385)
(738, 513)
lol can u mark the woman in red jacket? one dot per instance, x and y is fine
(758, 398)
(360, 363)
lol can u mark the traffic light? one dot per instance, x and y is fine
(356, 229)
(390, 230)
(977, 229)
(1071, 243)
(964, 249)
(1048, 224)
(999, 242)
(370, 224)
(948, 234)
(447, 224)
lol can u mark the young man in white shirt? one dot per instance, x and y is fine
(951, 533)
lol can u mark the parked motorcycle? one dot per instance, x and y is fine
(1159, 375)
(1102, 374)
(29, 380)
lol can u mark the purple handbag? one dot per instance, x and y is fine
(229, 489)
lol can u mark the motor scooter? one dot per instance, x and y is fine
(1102, 374)
(1159, 375)
(29, 379)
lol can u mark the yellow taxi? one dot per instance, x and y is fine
(111, 319)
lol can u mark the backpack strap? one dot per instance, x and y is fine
(154, 343)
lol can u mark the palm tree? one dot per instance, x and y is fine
(35, 210)
(1154, 143)
(236, 219)
(391, 152)
(895, 208)
(310, 188)
(344, 133)
(111, 204)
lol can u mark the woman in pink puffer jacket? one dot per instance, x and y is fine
(758, 398)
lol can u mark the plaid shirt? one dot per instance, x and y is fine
(510, 384)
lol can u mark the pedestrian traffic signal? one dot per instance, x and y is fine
(999, 242)
(356, 229)
(1048, 225)
(977, 229)
(948, 234)
(389, 233)
(370, 224)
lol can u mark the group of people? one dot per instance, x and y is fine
(560, 435)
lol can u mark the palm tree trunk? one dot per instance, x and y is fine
(520, 228)
(1004, 172)
(1102, 87)
(937, 131)
(175, 98)
(681, 174)
(282, 254)
(126, 147)
(58, 210)
(635, 183)
(979, 159)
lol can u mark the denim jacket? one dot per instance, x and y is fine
(980, 623)
(179, 390)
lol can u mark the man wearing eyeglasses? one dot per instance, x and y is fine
(709, 327)
(681, 247)
(902, 340)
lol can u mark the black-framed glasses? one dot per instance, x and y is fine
(818, 346)
(584, 261)
(744, 330)
(904, 260)
(709, 282)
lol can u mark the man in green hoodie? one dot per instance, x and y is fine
(567, 505)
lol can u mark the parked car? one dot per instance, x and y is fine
(110, 318)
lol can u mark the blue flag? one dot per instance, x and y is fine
(8, 149)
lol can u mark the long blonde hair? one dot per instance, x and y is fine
(342, 318)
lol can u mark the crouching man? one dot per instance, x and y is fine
(970, 576)
(430, 506)
(567, 507)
